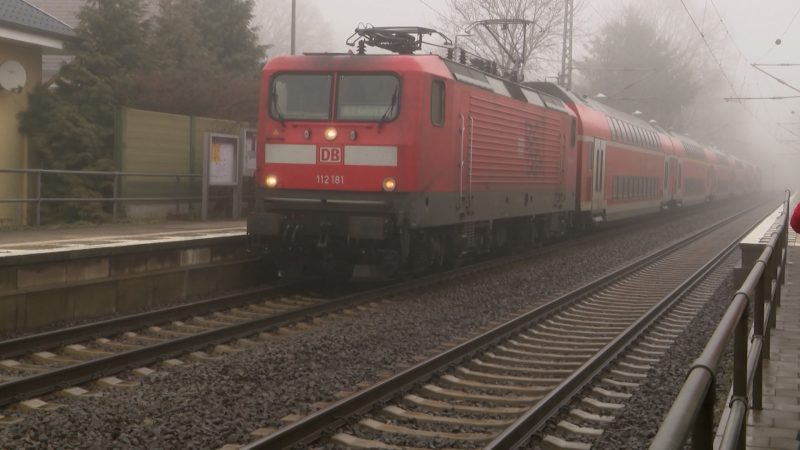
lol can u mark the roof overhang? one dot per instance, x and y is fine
(48, 44)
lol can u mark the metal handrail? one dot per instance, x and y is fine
(115, 198)
(693, 409)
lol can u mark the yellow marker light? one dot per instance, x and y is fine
(331, 133)
(271, 181)
(389, 184)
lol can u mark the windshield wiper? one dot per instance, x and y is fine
(274, 101)
(390, 108)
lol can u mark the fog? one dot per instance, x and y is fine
(739, 32)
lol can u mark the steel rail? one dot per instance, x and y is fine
(50, 339)
(38, 384)
(535, 418)
(311, 427)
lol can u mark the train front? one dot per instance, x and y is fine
(335, 162)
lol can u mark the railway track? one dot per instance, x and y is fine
(499, 389)
(47, 362)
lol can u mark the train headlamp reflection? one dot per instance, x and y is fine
(389, 184)
(331, 133)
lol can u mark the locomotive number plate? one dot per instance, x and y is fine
(330, 179)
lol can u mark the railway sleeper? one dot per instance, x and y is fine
(402, 414)
(467, 384)
(442, 406)
(382, 427)
(577, 349)
(493, 363)
(538, 364)
(569, 427)
(551, 442)
(554, 343)
(476, 375)
(545, 356)
(457, 395)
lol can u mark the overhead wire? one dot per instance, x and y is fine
(780, 38)
(438, 13)
(710, 49)
(719, 62)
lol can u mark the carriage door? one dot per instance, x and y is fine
(598, 177)
(673, 179)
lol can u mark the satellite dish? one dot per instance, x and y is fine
(12, 76)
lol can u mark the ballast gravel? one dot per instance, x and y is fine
(209, 404)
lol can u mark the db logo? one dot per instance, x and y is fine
(330, 155)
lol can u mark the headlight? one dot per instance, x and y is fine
(271, 181)
(331, 133)
(389, 184)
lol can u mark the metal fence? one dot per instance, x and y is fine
(116, 200)
(693, 409)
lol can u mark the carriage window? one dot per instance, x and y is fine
(437, 103)
(301, 97)
(367, 97)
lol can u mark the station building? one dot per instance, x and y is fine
(27, 33)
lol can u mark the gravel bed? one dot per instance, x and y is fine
(638, 424)
(210, 404)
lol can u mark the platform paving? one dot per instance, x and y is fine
(777, 425)
(46, 240)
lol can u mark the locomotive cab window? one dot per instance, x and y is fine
(301, 97)
(437, 103)
(372, 98)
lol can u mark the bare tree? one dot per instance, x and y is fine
(274, 21)
(536, 46)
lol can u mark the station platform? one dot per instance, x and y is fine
(777, 425)
(38, 241)
(52, 276)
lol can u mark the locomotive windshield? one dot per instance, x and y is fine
(367, 97)
(301, 97)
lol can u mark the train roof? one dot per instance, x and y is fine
(571, 98)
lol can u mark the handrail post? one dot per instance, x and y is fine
(758, 331)
(702, 435)
(770, 274)
(740, 372)
(115, 194)
(38, 198)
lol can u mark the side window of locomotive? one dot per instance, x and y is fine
(372, 98)
(437, 103)
(573, 132)
(301, 97)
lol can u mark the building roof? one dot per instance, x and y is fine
(23, 16)
(64, 10)
(68, 11)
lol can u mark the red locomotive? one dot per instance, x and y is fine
(370, 164)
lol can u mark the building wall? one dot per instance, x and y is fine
(13, 152)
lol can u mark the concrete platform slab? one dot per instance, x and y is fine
(776, 425)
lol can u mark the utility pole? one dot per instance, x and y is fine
(294, 21)
(566, 52)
